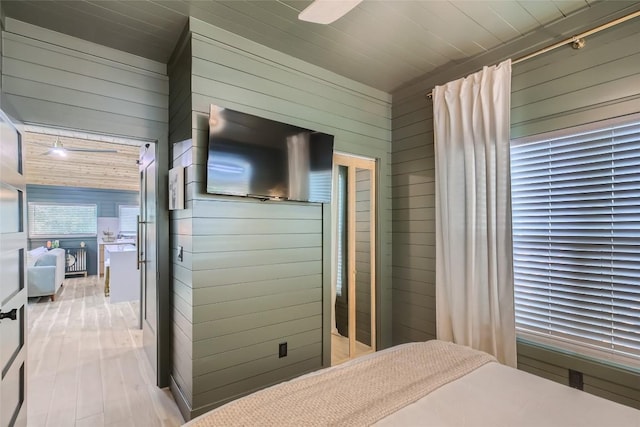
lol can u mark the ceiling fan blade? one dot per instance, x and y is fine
(91, 150)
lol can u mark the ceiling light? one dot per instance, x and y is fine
(58, 148)
(327, 11)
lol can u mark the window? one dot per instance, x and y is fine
(342, 238)
(62, 220)
(128, 218)
(576, 238)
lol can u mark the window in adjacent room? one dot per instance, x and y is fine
(128, 219)
(341, 198)
(62, 220)
(576, 238)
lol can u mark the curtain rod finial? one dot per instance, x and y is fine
(578, 43)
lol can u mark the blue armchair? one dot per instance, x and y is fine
(45, 277)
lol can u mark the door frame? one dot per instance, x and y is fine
(163, 262)
(163, 272)
(354, 162)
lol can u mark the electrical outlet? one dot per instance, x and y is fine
(180, 253)
(575, 379)
(282, 349)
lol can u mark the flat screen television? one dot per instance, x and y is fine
(256, 157)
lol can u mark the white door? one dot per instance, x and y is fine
(13, 292)
(148, 253)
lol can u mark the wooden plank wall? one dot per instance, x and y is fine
(57, 80)
(179, 69)
(1, 47)
(607, 381)
(256, 271)
(363, 256)
(553, 91)
(52, 79)
(363, 267)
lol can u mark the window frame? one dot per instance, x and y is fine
(558, 343)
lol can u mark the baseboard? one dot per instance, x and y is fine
(181, 399)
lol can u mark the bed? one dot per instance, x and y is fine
(431, 383)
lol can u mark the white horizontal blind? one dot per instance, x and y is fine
(62, 220)
(128, 218)
(341, 264)
(320, 185)
(576, 238)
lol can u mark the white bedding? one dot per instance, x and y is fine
(490, 395)
(353, 394)
(497, 395)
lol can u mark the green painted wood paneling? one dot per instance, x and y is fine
(271, 375)
(226, 326)
(266, 303)
(1, 47)
(254, 351)
(57, 80)
(179, 71)
(257, 366)
(553, 91)
(240, 292)
(51, 79)
(288, 63)
(257, 272)
(602, 379)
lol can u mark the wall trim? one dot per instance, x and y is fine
(557, 357)
(181, 399)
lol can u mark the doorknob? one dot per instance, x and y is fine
(13, 315)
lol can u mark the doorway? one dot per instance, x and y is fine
(90, 360)
(353, 331)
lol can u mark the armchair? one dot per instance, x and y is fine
(46, 275)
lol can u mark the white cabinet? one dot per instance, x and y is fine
(124, 277)
(102, 256)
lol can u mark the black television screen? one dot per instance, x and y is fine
(257, 157)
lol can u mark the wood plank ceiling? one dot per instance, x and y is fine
(117, 171)
(384, 43)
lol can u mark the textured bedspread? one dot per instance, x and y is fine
(358, 393)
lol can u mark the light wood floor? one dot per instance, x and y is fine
(340, 349)
(86, 366)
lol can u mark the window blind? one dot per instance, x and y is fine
(62, 220)
(576, 238)
(342, 238)
(128, 217)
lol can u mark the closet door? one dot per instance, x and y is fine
(355, 299)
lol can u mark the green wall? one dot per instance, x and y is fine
(2, 18)
(553, 91)
(257, 273)
(52, 79)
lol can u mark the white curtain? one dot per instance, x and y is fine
(474, 257)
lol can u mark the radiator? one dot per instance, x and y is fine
(76, 261)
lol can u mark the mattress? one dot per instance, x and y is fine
(426, 384)
(497, 395)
